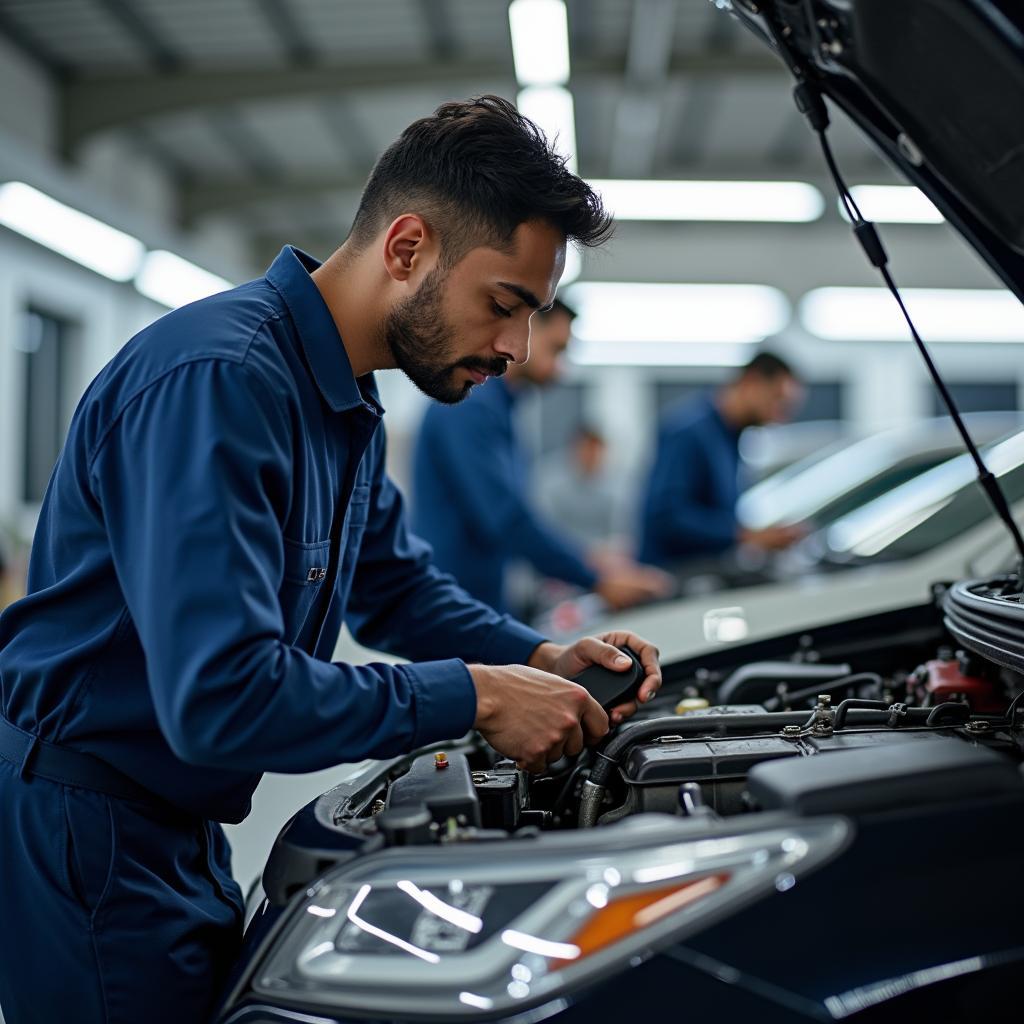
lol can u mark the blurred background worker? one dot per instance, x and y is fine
(578, 489)
(689, 506)
(470, 476)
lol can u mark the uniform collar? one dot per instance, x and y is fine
(289, 274)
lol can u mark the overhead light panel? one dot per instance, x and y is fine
(65, 230)
(940, 314)
(627, 313)
(894, 204)
(550, 107)
(658, 353)
(786, 201)
(173, 281)
(540, 41)
(573, 266)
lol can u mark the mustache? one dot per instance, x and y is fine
(495, 367)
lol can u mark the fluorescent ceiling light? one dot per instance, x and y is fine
(940, 314)
(573, 266)
(787, 201)
(664, 313)
(173, 281)
(894, 204)
(658, 353)
(69, 232)
(551, 109)
(540, 41)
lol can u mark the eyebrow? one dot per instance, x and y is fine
(526, 295)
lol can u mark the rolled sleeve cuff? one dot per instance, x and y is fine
(445, 699)
(510, 643)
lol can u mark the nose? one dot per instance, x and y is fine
(513, 343)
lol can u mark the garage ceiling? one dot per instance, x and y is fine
(271, 112)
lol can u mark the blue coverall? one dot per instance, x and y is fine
(689, 505)
(219, 508)
(470, 497)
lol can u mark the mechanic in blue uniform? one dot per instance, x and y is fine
(689, 505)
(220, 507)
(471, 496)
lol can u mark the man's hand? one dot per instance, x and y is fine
(773, 538)
(569, 661)
(532, 716)
(631, 583)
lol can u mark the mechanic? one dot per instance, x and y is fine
(470, 478)
(220, 507)
(689, 505)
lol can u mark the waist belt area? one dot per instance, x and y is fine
(33, 756)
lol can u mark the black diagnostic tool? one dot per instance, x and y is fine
(610, 688)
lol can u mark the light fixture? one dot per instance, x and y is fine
(894, 204)
(618, 311)
(785, 201)
(65, 230)
(573, 266)
(550, 107)
(940, 314)
(173, 281)
(540, 41)
(658, 353)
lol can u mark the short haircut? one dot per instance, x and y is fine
(475, 170)
(768, 366)
(588, 432)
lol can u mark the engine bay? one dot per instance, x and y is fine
(857, 719)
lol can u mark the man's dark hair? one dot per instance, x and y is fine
(475, 170)
(769, 366)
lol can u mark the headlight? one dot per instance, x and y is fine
(480, 930)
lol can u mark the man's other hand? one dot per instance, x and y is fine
(534, 717)
(631, 583)
(571, 660)
(773, 538)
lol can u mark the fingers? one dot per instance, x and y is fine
(574, 742)
(648, 655)
(594, 720)
(621, 712)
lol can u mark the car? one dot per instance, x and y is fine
(820, 824)
(932, 527)
(840, 477)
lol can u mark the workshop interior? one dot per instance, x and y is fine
(767, 441)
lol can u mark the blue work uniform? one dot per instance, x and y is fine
(689, 506)
(219, 509)
(470, 497)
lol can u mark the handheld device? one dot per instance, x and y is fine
(610, 688)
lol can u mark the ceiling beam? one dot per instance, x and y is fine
(440, 29)
(201, 198)
(95, 103)
(290, 35)
(638, 117)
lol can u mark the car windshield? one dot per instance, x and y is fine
(844, 476)
(929, 510)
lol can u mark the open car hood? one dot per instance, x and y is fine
(937, 85)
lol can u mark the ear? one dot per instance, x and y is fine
(409, 248)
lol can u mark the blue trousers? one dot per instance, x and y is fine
(111, 912)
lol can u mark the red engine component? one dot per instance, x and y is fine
(938, 681)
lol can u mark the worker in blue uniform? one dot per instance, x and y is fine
(219, 509)
(689, 504)
(471, 493)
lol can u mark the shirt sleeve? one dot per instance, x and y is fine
(480, 472)
(675, 513)
(402, 603)
(193, 481)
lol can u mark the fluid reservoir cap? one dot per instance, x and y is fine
(440, 759)
(689, 704)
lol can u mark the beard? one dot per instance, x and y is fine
(422, 343)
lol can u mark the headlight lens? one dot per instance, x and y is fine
(461, 932)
